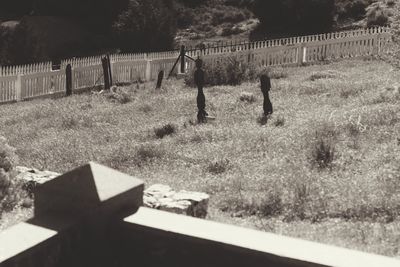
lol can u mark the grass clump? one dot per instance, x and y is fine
(323, 149)
(322, 75)
(219, 166)
(148, 153)
(118, 95)
(274, 73)
(279, 121)
(247, 97)
(165, 130)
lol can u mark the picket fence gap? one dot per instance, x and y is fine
(33, 80)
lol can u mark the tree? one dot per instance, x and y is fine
(290, 17)
(145, 25)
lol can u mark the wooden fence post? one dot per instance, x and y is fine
(68, 82)
(148, 70)
(304, 54)
(106, 73)
(18, 88)
(109, 70)
(182, 56)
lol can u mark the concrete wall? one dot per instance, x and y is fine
(80, 220)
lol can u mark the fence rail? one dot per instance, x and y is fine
(28, 81)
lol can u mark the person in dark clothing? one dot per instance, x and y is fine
(201, 99)
(265, 87)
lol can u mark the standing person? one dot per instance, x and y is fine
(265, 87)
(201, 99)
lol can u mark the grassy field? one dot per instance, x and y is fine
(325, 167)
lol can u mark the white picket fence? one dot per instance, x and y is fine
(30, 81)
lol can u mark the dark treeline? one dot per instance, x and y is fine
(54, 29)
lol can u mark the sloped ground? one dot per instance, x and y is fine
(325, 167)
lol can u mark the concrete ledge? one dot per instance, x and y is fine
(87, 189)
(205, 243)
(72, 215)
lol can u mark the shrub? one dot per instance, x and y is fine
(165, 130)
(10, 190)
(377, 15)
(230, 30)
(8, 158)
(133, 26)
(224, 71)
(294, 16)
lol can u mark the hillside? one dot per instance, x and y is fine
(221, 21)
(325, 167)
(32, 33)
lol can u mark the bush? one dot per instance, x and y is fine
(224, 71)
(353, 9)
(145, 25)
(295, 16)
(10, 190)
(377, 15)
(165, 130)
(8, 158)
(230, 30)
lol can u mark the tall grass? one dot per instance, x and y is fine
(321, 157)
